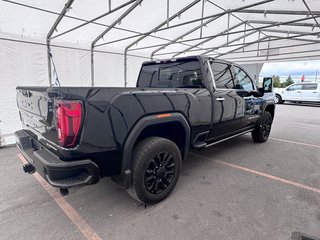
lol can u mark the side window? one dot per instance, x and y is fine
(294, 87)
(242, 80)
(222, 75)
(309, 86)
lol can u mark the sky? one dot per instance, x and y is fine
(295, 69)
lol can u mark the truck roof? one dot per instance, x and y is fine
(203, 58)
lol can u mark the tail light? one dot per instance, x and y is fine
(69, 118)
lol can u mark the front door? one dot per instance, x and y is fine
(228, 105)
(253, 105)
(293, 93)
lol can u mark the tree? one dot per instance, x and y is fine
(288, 82)
(276, 81)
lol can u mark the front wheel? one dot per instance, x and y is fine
(278, 99)
(155, 169)
(262, 132)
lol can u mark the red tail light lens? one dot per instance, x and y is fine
(69, 118)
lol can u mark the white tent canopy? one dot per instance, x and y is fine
(104, 42)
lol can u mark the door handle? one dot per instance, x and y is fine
(315, 92)
(220, 99)
(298, 92)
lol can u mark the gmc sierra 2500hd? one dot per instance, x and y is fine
(139, 136)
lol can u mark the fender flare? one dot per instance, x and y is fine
(124, 179)
(265, 107)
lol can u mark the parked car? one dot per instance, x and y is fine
(139, 136)
(299, 92)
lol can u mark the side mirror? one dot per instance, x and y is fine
(267, 85)
(256, 93)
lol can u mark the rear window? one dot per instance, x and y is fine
(179, 74)
(309, 86)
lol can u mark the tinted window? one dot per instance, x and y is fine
(171, 75)
(242, 80)
(222, 75)
(311, 86)
(294, 87)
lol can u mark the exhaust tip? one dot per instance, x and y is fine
(64, 191)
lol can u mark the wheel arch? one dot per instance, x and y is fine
(153, 124)
(270, 108)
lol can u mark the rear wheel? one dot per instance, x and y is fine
(155, 169)
(262, 132)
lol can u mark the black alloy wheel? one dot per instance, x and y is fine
(262, 132)
(266, 127)
(155, 169)
(159, 173)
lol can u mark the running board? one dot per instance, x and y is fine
(228, 138)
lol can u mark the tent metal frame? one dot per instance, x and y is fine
(262, 28)
(65, 9)
(295, 37)
(240, 31)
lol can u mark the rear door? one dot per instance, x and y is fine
(228, 106)
(293, 92)
(310, 92)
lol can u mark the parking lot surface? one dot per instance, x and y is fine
(234, 190)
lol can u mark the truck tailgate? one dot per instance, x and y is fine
(35, 109)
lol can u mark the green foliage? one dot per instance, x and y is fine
(276, 81)
(288, 82)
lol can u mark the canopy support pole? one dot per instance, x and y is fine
(268, 49)
(202, 13)
(67, 6)
(168, 12)
(258, 44)
(244, 38)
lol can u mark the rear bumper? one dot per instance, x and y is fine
(58, 173)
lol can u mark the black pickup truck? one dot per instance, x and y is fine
(139, 136)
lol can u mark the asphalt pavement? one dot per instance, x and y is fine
(234, 190)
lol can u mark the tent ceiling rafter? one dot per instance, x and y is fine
(261, 21)
(239, 44)
(207, 22)
(278, 12)
(311, 13)
(279, 47)
(240, 31)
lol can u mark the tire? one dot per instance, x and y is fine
(155, 169)
(278, 99)
(262, 132)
